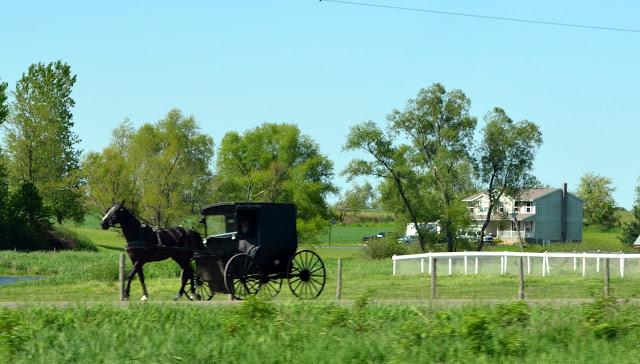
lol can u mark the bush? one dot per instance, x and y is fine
(383, 248)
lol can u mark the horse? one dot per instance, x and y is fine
(146, 244)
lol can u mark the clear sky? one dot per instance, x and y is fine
(326, 66)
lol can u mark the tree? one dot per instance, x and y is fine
(599, 203)
(505, 158)
(388, 162)
(439, 126)
(39, 140)
(631, 229)
(355, 200)
(275, 163)
(4, 188)
(4, 211)
(109, 176)
(29, 219)
(4, 107)
(161, 170)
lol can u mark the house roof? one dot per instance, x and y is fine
(526, 195)
(474, 197)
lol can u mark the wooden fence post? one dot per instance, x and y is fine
(433, 279)
(121, 266)
(521, 286)
(339, 289)
(606, 277)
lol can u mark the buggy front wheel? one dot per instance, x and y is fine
(306, 274)
(198, 289)
(242, 276)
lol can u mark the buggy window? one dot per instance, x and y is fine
(220, 224)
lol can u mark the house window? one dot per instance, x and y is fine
(471, 210)
(523, 206)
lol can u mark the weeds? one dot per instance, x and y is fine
(606, 318)
(12, 337)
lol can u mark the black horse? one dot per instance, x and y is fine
(147, 244)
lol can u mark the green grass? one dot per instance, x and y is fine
(350, 235)
(85, 276)
(297, 332)
(321, 331)
(93, 277)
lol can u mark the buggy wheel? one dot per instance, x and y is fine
(242, 276)
(200, 289)
(270, 286)
(306, 274)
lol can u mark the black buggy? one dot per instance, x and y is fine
(256, 261)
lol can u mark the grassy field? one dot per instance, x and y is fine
(296, 332)
(322, 331)
(84, 276)
(93, 277)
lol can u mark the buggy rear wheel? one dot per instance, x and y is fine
(242, 276)
(306, 274)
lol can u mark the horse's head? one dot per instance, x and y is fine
(113, 215)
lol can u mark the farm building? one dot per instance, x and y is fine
(543, 215)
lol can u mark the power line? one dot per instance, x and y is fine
(484, 16)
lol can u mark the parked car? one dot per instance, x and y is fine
(366, 238)
(381, 234)
(408, 239)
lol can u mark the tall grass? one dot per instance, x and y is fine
(261, 332)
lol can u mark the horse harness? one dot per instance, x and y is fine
(140, 243)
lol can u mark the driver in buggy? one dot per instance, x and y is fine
(247, 236)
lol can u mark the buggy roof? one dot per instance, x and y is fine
(227, 208)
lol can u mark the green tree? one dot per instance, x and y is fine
(4, 106)
(631, 229)
(275, 163)
(4, 191)
(108, 175)
(4, 211)
(28, 219)
(440, 128)
(505, 158)
(39, 141)
(161, 170)
(388, 162)
(355, 200)
(599, 203)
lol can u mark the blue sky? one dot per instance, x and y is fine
(326, 66)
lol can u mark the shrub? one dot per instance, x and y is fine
(383, 248)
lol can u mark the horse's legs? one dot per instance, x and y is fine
(129, 279)
(144, 287)
(186, 276)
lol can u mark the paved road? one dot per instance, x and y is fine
(340, 247)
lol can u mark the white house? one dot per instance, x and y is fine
(541, 215)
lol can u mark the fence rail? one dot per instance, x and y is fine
(545, 263)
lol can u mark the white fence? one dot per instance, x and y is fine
(561, 264)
